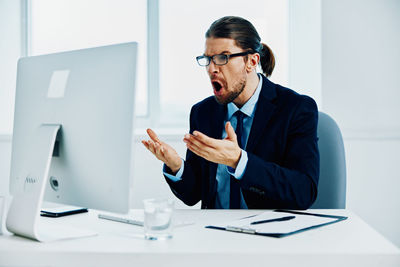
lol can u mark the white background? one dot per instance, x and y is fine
(347, 52)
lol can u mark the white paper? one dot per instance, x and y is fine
(279, 227)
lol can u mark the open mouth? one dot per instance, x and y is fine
(216, 85)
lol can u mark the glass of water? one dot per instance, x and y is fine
(158, 218)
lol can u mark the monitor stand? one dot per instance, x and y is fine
(23, 217)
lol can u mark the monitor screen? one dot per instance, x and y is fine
(90, 94)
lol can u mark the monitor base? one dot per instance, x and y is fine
(24, 211)
(49, 231)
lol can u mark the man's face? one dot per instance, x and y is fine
(228, 80)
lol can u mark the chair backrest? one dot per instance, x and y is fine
(332, 175)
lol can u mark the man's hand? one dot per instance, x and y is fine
(163, 151)
(226, 151)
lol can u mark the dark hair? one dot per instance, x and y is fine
(245, 36)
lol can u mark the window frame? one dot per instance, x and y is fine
(151, 119)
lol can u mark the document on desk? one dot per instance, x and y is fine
(278, 223)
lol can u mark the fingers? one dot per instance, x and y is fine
(155, 148)
(162, 151)
(230, 131)
(145, 143)
(196, 148)
(150, 146)
(153, 135)
(159, 149)
(154, 145)
(202, 152)
(201, 139)
(200, 144)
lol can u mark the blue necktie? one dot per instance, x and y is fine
(234, 198)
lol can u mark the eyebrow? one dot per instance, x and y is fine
(223, 52)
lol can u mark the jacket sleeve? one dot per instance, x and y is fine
(188, 189)
(291, 183)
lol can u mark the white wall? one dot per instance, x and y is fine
(10, 50)
(361, 90)
(373, 185)
(305, 48)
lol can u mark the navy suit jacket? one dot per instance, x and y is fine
(283, 160)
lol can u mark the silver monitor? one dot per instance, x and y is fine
(73, 132)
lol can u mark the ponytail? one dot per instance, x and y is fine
(267, 60)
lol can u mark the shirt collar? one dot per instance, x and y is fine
(250, 106)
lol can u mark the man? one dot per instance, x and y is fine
(254, 143)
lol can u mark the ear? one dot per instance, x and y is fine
(252, 61)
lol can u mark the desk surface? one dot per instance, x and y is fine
(348, 243)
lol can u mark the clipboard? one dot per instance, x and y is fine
(275, 227)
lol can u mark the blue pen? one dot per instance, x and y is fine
(287, 218)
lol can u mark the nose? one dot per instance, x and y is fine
(212, 68)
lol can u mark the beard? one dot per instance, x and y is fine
(237, 89)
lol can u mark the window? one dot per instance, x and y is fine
(170, 35)
(182, 37)
(72, 24)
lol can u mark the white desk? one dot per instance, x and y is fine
(348, 243)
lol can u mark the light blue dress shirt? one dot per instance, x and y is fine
(224, 172)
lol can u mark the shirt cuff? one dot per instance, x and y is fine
(178, 176)
(240, 168)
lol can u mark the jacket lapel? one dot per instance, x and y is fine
(217, 121)
(217, 124)
(264, 110)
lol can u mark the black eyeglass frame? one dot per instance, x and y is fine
(227, 56)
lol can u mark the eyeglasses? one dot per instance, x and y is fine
(220, 59)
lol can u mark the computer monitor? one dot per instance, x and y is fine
(73, 133)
